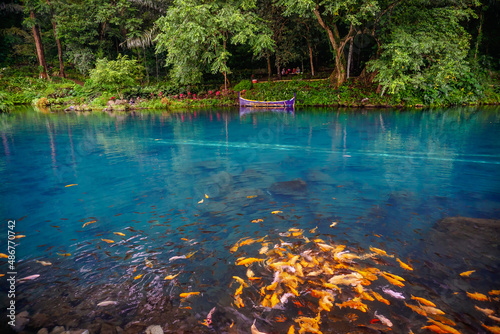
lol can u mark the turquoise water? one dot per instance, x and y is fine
(191, 183)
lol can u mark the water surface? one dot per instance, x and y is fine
(191, 183)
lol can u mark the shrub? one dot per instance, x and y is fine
(42, 102)
(243, 85)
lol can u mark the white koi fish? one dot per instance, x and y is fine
(397, 295)
(28, 278)
(107, 302)
(383, 319)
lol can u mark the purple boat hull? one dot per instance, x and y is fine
(267, 104)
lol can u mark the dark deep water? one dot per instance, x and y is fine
(181, 189)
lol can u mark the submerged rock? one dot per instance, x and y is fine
(155, 329)
(21, 321)
(290, 188)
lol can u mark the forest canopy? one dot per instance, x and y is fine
(427, 48)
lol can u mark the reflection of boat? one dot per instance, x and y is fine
(267, 104)
(250, 110)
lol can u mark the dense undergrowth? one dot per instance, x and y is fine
(18, 86)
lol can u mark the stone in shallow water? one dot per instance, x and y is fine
(291, 188)
(57, 330)
(43, 331)
(155, 329)
(21, 321)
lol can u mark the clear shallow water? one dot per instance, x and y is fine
(385, 177)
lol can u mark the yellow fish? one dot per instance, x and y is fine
(64, 254)
(239, 290)
(252, 196)
(2, 275)
(477, 296)
(399, 278)
(381, 299)
(257, 220)
(494, 292)
(238, 302)
(447, 328)
(88, 223)
(200, 201)
(119, 233)
(190, 254)
(484, 310)
(71, 185)
(276, 212)
(171, 276)
(380, 251)
(248, 261)
(188, 294)
(240, 280)
(313, 230)
(108, 241)
(206, 196)
(493, 329)
(404, 265)
(19, 236)
(4, 256)
(467, 273)
(423, 301)
(431, 310)
(417, 309)
(392, 280)
(138, 276)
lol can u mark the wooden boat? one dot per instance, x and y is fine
(267, 104)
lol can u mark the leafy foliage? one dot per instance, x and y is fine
(116, 74)
(243, 85)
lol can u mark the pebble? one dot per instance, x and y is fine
(155, 329)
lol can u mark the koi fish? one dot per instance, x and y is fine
(397, 295)
(169, 277)
(107, 303)
(188, 294)
(494, 292)
(276, 212)
(404, 265)
(138, 276)
(333, 224)
(177, 258)
(497, 319)
(380, 298)
(28, 278)
(435, 329)
(88, 223)
(380, 251)
(119, 233)
(478, 296)
(493, 329)
(64, 254)
(467, 273)
(238, 301)
(447, 328)
(19, 236)
(206, 196)
(431, 310)
(44, 263)
(240, 280)
(383, 319)
(313, 230)
(108, 241)
(71, 185)
(257, 220)
(200, 201)
(392, 280)
(4, 256)
(251, 196)
(148, 263)
(423, 301)
(417, 309)
(254, 329)
(355, 304)
(247, 261)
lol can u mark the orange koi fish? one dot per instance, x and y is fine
(88, 223)
(423, 301)
(108, 241)
(19, 236)
(276, 212)
(447, 328)
(71, 185)
(169, 277)
(392, 280)
(238, 301)
(380, 251)
(404, 265)
(494, 292)
(431, 310)
(417, 309)
(467, 273)
(4, 256)
(138, 276)
(119, 233)
(257, 220)
(240, 280)
(251, 196)
(493, 329)
(478, 296)
(188, 294)
(435, 329)
(247, 261)
(381, 299)
(64, 254)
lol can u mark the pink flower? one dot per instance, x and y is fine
(194, 95)
(181, 95)
(243, 90)
(175, 96)
(217, 93)
(189, 93)
(159, 93)
(113, 98)
(209, 92)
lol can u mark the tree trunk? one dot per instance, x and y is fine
(479, 34)
(350, 57)
(269, 67)
(145, 64)
(310, 57)
(156, 56)
(338, 45)
(39, 48)
(278, 68)
(59, 51)
(58, 43)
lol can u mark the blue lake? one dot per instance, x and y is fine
(118, 202)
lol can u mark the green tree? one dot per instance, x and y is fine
(424, 47)
(195, 33)
(340, 19)
(116, 74)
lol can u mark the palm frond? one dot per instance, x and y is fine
(11, 8)
(142, 41)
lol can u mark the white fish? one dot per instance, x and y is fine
(44, 263)
(383, 319)
(397, 295)
(209, 316)
(28, 278)
(285, 297)
(177, 257)
(107, 302)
